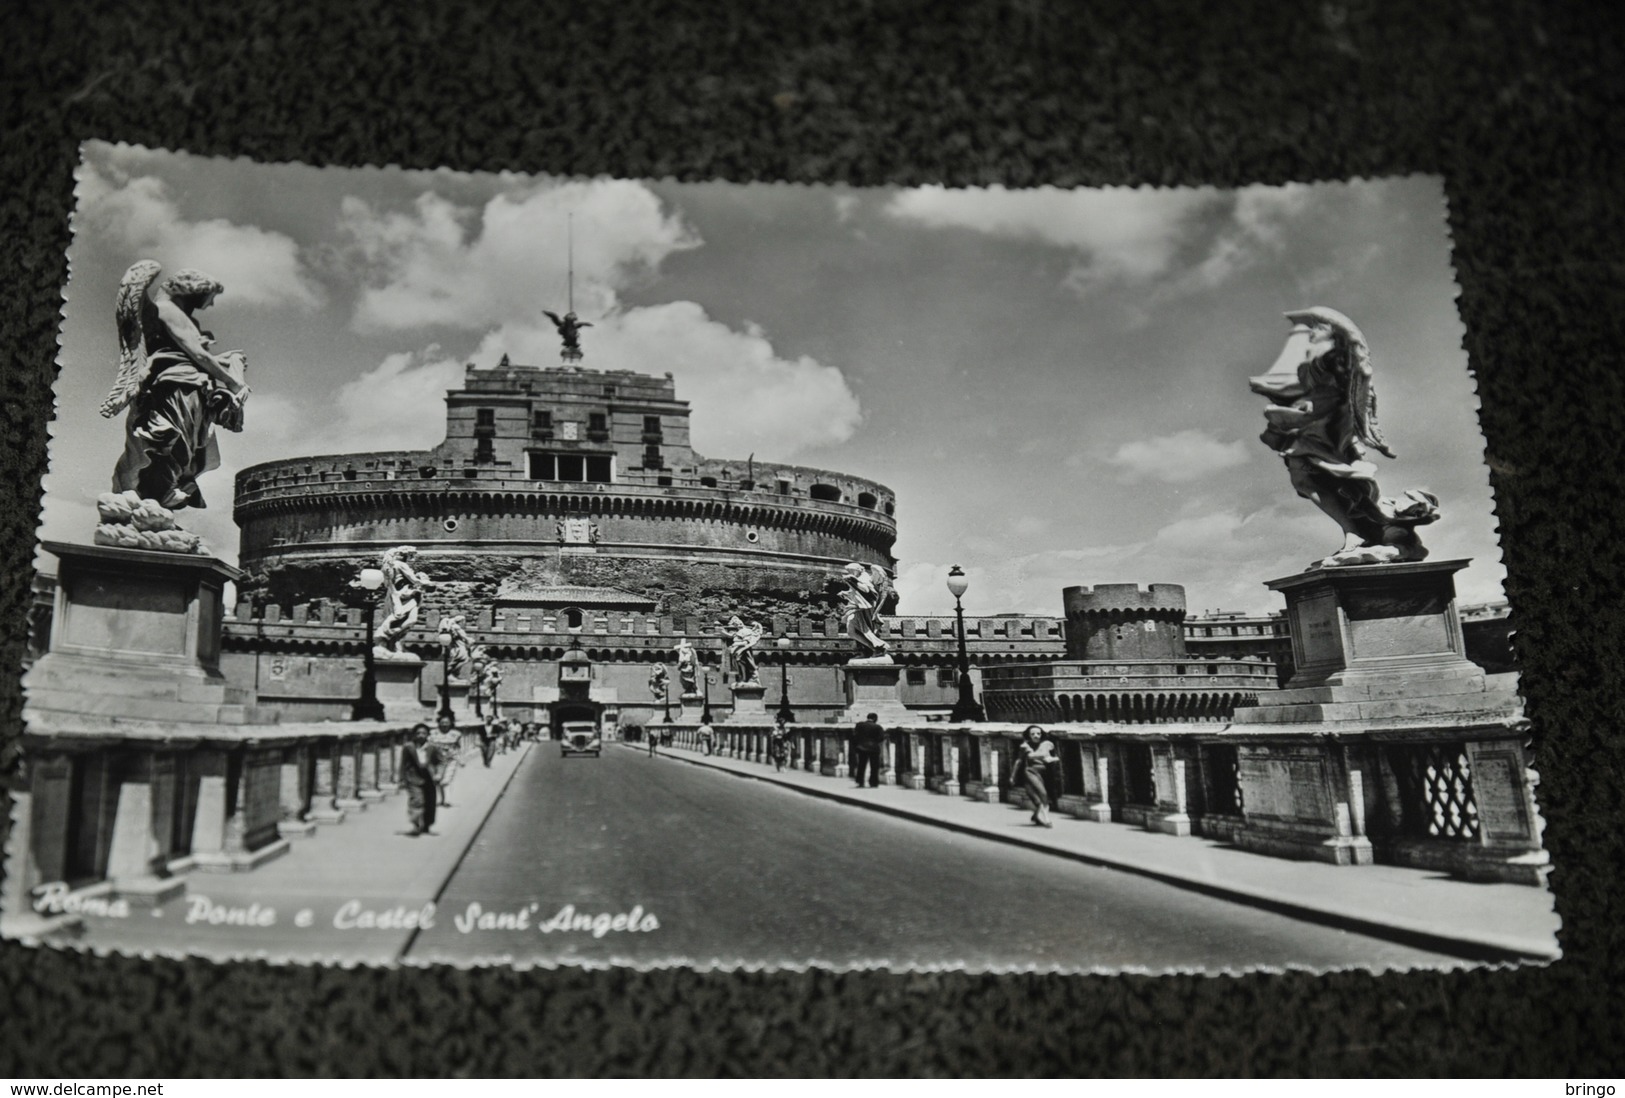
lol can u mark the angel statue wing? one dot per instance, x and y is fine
(558, 321)
(132, 356)
(883, 586)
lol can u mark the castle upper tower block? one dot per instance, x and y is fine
(563, 477)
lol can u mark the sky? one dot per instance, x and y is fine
(1054, 382)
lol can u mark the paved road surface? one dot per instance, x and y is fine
(741, 872)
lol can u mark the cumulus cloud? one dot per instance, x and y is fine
(444, 264)
(1257, 230)
(1119, 232)
(1177, 458)
(494, 269)
(746, 397)
(138, 215)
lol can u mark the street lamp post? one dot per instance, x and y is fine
(665, 701)
(967, 708)
(705, 683)
(445, 680)
(368, 707)
(784, 714)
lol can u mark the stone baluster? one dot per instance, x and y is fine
(348, 792)
(293, 791)
(888, 760)
(950, 766)
(324, 807)
(143, 821)
(369, 790)
(1357, 803)
(916, 755)
(1101, 810)
(988, 745)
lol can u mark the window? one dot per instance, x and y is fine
(784, 486)
(825, 492)
(609, 390)
(591, 468)
(916, 676)
(947, 676)
(651, 424)
(541, 420)
(708, 482)
(485, 417)
(484, 451)
(652, 458)
(597, 421)
(572, 619)
(867, 499)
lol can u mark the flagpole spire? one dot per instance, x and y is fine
(569, 325)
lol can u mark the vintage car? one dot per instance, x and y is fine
(580, 738)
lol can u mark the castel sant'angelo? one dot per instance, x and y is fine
(555, 478)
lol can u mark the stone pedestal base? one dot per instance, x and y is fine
(748, 705)
(398, 681)
(327, 815)
(874, 688)
(1168, 823)
(913, 781)
(980, 791)
(1374, 642)
(148, 891)
(224, 861)
(294, 829)
(136, 635)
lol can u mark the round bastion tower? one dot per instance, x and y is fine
(1122, 621)
(568, 485)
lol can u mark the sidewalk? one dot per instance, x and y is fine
(1489, 922)
(362, 883)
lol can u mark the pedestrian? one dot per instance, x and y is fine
(1036, 754)
(420, 760)
(779, 749)
(450, 743)
(708, 737)
(866, 740)
(488, 742)
(654, 741)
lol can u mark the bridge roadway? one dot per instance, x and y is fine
(742, 872)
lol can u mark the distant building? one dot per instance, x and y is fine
(1231, 634)
(1126, 660)
(561, 477)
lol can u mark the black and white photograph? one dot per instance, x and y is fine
(502, 569)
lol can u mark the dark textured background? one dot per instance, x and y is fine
(1515, 104)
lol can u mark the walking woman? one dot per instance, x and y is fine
(1036, 754)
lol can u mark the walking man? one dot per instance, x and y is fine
(866, 740)
(707, 737)
(420, 759)
(488, 742)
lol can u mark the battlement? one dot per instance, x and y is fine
(327, 620)
(1106, 597)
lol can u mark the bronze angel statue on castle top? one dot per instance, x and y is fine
(1322, 418)
(176, 389)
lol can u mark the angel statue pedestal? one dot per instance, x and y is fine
(136, 635)
(1387, 626)
(875, 685)
(399, 689)
(748, 705)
